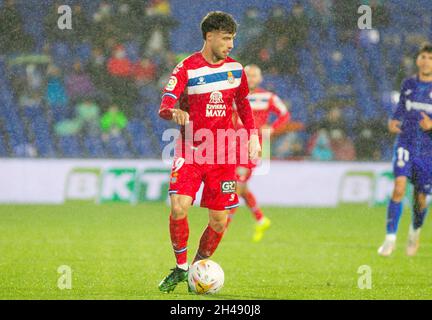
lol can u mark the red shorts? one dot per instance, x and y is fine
(219, 183)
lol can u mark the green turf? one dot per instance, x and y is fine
(122, 252)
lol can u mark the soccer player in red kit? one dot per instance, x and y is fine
(205, 84)
(263, 104)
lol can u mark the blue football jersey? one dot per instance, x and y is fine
(415, 97)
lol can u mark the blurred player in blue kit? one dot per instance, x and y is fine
(412, 160)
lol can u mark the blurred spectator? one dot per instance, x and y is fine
(250, 28)
(81, 25)
(113, 121)
(332, 121)
(119, 65)
(122, 86)
(12, 35)
(88, 115)
(158, 8)
(27, 150)
(279, 62)
(144, 71)
(79, 84)
(103, 26)
(321, 16)
(287, 145)
(345, 19)
(126, 22)
(29, 98)
(34, 77)
(159, 22)
(276, 24)
(371, 136)
(55, 91)
(97, 69)
(342, 146)
(298, 26)
(69, 127)
(55, 95)
(319, 146)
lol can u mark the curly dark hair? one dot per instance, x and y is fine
(218, 20)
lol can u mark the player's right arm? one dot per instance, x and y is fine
(171, 94)
(395, 122)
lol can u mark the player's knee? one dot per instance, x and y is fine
(421, 203)
(219, 224)
(241, 190)
(398, 192)
(178, 211)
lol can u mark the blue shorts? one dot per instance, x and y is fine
(418, 169)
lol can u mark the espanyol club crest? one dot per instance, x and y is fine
(231, 78)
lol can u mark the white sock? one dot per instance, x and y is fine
(391, 237)
(414, 231)
(183, 266)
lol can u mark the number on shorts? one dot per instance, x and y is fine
(402, 156)
(178, 164)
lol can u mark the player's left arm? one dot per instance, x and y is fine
(244, 111)
(426, 123)
(280, 110)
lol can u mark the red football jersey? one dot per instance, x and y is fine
(263, 103)
(207, 92)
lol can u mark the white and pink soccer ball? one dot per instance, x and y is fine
(205, 277)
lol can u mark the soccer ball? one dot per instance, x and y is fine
(205, 277)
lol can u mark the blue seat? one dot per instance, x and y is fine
(94, 147)
(83, 52)
(117, 147)
(69, 147)
(140, 139)
(3, 150)
(62, 54)
(132, 51)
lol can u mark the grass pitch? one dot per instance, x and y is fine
(122, 252)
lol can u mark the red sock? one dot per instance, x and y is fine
(179, 231)
(209, 242)
(252, 204)
(230, 216)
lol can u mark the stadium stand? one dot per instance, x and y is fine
(358, 75)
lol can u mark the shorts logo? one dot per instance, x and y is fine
(228, 186)
(231, 78)
(171, 83)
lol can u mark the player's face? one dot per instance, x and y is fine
(424, 63)
(254, 77)
(221, 43)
